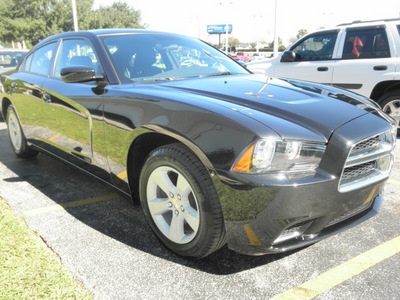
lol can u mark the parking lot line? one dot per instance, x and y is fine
(10, 161)
(54, 137)
(251, 235)
(122, 175)
(56, 207)
(343, 272)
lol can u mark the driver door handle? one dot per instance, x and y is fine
(322, 69)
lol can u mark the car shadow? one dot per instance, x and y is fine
(117, 218)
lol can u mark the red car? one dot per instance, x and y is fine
(241, 55)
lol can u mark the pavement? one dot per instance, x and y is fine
(103, 239)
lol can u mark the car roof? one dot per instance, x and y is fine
(369, 22)
(100, 32)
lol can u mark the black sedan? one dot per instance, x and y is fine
(213, 153)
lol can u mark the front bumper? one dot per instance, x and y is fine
(294, 217)
(265, 214)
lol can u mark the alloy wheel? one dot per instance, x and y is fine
(173, 205)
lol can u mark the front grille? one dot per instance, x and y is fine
(366, 146)
(369, 161)
(354, 172)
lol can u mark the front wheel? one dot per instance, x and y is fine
(180, 202)
(16, 135)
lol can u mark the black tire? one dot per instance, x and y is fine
(168, 172)
(390, 104)
(16, 135)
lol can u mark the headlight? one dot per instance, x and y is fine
(272, 156)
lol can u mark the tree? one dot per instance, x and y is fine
(233, 42)
(302, 32)
(118, 15)
(33, 20)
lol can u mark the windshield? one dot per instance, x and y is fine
(10, 59)
(151, 56)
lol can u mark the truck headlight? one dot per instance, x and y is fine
(272, 156)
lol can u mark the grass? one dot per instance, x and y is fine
(28, 269)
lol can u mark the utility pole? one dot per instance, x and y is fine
(74, 15)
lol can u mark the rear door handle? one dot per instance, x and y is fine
(322, 69)
(380, 68)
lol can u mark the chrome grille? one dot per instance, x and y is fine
(366, 146)
(351, 173)
(369, 161)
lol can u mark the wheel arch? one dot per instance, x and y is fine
(383, 88)
(151, 138)
(5, 103)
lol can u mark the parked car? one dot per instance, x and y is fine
(10, 57)
(359, 56)
(213, 153)
(241, 55)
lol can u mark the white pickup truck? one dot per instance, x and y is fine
(363, 56)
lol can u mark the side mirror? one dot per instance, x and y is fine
(76, 74)
(288, 56)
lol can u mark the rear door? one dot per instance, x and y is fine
(26, 89)
(364, 59)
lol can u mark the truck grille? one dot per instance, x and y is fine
(369, 161)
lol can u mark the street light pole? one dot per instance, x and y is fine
(275, 35)
(226, 40)
(74, 15)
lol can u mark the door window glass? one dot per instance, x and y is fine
(28, 61)
(366, 43)
(77, 53)
(319, 46)
(41, 60)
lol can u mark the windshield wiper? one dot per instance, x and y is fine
(216, 74)
(164, 79)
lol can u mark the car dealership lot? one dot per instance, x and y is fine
(105, 242)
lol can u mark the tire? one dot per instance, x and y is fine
(16, 135)
(390, 104)
(180, 202)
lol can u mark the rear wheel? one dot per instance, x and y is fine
(180, 202)
(16, 135)
(390, 104)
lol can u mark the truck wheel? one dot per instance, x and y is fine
(180, 202)
(390, 104)
(16, 135)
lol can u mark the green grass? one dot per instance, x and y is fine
(28, 269)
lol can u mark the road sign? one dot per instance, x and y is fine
(219, 28)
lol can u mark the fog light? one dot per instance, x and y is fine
(385, 163)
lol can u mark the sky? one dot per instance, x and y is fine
(253, 20)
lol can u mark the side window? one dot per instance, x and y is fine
(77, 52)
(366, 43)
(41, 60)
(27, 65)
(319, 46)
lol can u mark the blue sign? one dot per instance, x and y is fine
(219, 28)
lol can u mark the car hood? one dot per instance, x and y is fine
(319, 108)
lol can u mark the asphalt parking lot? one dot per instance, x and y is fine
(105, 242)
